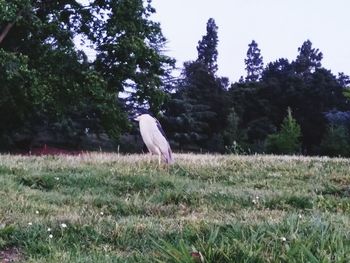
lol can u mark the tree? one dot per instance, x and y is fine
(129, 49)
(308, 60)
(287, 140)
(254, 63)
(207, 47)
(196, 115)
(60, 96)
(51, 84)
(15, 96)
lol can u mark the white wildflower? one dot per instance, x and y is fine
(49, 230)
(283, 239)
(50, 236)
(30, 223)
(63, 225)
(57, 178)
(101, 213)
(37, 212)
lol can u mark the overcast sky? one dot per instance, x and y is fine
(278, 26)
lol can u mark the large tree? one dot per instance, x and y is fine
(197, 113)
(129, 49)
(59, 96)
(37, 41)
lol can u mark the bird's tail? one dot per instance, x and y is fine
(169, 159)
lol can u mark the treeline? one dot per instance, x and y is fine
(51, 93)
(285, 107)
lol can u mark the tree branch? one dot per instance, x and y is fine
(5, 31)
(9, 26)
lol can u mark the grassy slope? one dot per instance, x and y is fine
(230, 208)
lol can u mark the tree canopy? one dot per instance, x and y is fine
(56, 93)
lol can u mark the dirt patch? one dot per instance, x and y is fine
(338, 191)
(10, 254)
(342, 180)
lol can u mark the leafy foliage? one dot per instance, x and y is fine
(129, 49)
(60, 97)
(336, 141)
(15, 93)
(337, 118)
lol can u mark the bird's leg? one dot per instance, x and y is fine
(159, 158)
(149, 157)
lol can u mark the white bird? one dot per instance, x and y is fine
(154, 137)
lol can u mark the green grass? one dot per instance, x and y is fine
(225, 208)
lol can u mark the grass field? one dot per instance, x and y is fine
(104, 208)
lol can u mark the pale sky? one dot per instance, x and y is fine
(278, 26)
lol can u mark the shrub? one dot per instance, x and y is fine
(336, 141)
(287, 140)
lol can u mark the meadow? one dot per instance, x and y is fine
(101, 207)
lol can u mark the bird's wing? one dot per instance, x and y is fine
(160, 140)
(160, 128)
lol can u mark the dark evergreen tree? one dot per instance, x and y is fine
(207, 47)
(196, 115)
(253, 111)
(254, 63)
(308, 60)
